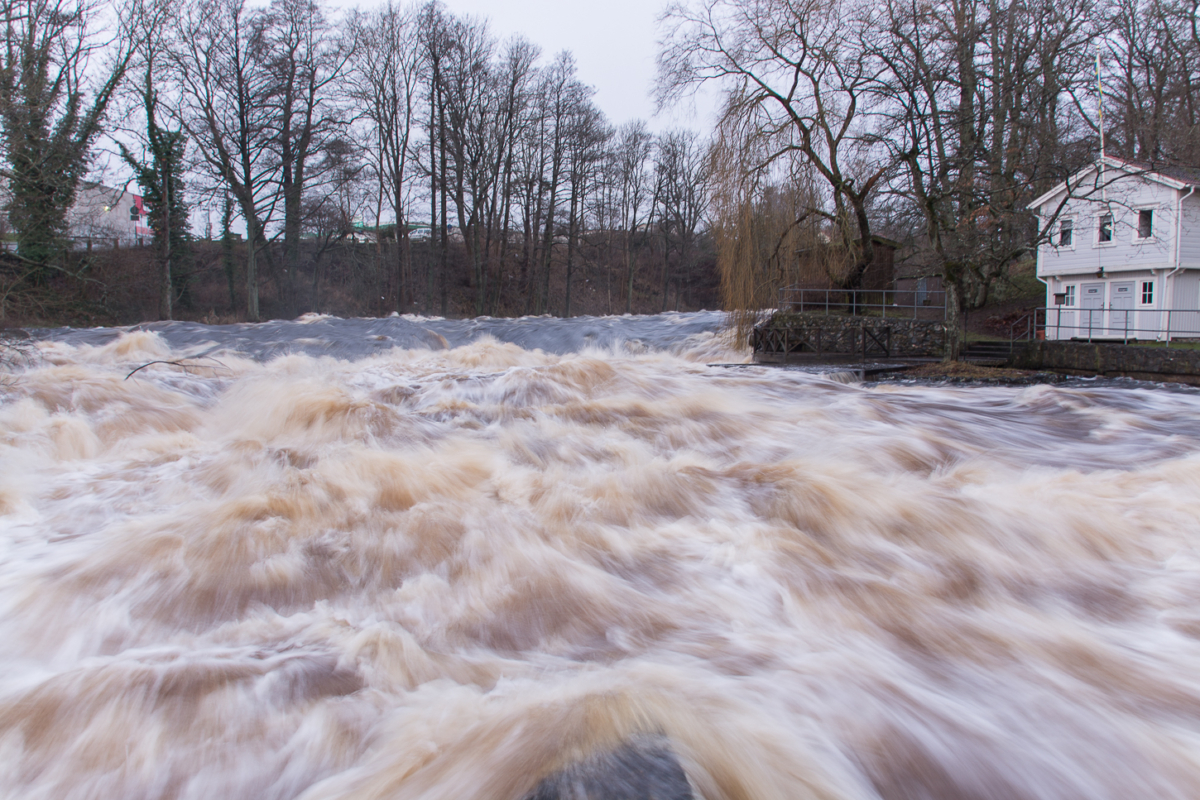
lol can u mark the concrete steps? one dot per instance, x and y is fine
(988, 354)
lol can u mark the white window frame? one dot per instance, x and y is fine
(1056, 237)
(1142, 292)
(1112, 239)
(1072, 295)
(1137, 227)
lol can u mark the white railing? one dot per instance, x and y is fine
(1108, 324)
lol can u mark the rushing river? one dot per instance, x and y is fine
(412, 558)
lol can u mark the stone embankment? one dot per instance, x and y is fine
(815, 335)
(1148, 363)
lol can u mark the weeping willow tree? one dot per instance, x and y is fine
(771, 229)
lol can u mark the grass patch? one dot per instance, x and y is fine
(1175, 345)
(961, 370)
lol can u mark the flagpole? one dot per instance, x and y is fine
(1100, 113)
(1100, 102)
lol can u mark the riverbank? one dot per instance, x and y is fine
(965, 372)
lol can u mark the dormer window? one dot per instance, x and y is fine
(1145, 228)
(1104, 230)
(1066, 232)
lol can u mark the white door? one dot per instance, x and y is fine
(1120, 322)
(1091, 318)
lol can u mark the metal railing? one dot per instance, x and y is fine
(1107, 324)
(892, 303)
(872, 340)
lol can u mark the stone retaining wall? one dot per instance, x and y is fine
(827, 334)
(1114, 360)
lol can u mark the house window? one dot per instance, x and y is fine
(1070, 292)
(133, 214)
(1147, 293)
(922, 291)
(1066, 230)
(1145, 229)
(1104, 230)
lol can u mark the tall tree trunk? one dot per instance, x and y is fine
(502, 257)
(442, 277)
(666, 268)
(572, 233)
(164, 298)
(227, 253)
(251, 268)
(434, 229)
(291, 248)
(954, 305)
(629, 271)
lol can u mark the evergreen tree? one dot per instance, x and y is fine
(48, 121)
(161, 182)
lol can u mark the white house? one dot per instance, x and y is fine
(1123, 256)
(106, 217)
(102, 217)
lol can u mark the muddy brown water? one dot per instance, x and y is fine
(462, 563)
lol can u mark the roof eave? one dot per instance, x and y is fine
(1147, 172)
(1075, 179)
(1115, 163)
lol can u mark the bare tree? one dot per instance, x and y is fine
(473, 100)
(681, 171)
(563, 101)
(529, 182)
(1151, 57)
(438, 42)
(587, 138)
(228, 107)
(630, 175)
(329, 218)
(384, 85)
(793, 71)
(305, 63)
(515, 76)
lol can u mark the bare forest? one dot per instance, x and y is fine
(295, 159)
(298, 158)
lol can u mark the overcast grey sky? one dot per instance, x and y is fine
(614, 43)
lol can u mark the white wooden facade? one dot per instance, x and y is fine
(106, 217)
(1123, 256)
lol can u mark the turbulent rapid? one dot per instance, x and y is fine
(412, 558)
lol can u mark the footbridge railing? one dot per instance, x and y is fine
(893, 303)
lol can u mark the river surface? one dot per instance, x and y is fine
(412, 558)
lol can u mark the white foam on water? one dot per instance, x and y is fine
(449, 572)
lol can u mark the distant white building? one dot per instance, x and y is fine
(1123, 258)
(106, 217)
